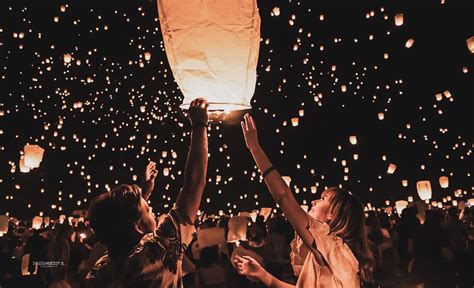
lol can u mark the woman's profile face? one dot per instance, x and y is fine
(320, 209)
(148, 221)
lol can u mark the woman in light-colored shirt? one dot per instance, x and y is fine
(331, 248)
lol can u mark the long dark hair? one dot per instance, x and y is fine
(348, 222)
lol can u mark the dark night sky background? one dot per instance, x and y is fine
(76, 166)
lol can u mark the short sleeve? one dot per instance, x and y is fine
(176, 227)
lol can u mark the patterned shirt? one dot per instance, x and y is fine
(154, 262)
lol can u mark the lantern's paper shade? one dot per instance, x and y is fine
(3, 224)
(23, 167)
(33, 155)
(444, 181)
(424, 189)
(237, 229)
(212, 48)
(210, 236)
(37, 222)
(265, 212)
(400, 205)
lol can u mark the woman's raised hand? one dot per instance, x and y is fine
(249, 130)
(247, 266)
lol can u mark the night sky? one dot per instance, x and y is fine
(335, 66)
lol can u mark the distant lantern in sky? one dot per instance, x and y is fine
(294, 121)
(409, 43)
(444, 181)
(33, 155)
(470, 44)
(404, 183)
(287, 180)
(147, 56)
(400, 205)
(391, 168)
(381, 116)
(353, 140)
(276, 11)
(399, 19)
(67, 58)
(424, 189)
(212, 48)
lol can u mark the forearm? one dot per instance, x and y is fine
(275, 183)
(195, 173)
(146, 190)
(272, 282)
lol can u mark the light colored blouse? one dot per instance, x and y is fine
(331, 264)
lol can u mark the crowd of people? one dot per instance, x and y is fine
(121, 243)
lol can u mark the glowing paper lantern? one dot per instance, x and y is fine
(409, 43)
(305, 208)
(444, 181)
(404, 183)
(23, 167)
(391, 168)
(3, 224)
(353, 140)
(147, 56)
(67, 58)
(212, 48)
(265, 212)
(410, 199)
(276, 11)
(210, 236)
(424, 189)
(33, 155)
(287, 180)
(399, 19)
(381, 116)
(294, 121)
(237, 229)
(400, 205)
(470, 44)
(37, 222)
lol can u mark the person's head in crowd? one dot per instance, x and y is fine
(120, 217)
(453, 213)
(256, 234)
(209, 256)
(62, 231)
(344, 213)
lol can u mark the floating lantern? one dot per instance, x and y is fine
(287, 180)
(37, 222)
(470, 44)
(211, 236)
(67, 58)
(400, 205)
(399, 19)
(381, 116)
(444, 181)
(23, 167)
(409, 43)
(147, 56)
(424, 189)
(410, 199)
(355, 156)
(265, 212)
(305, 208)
(353, 140)
(33, 155)
(276, 11)
(237, 229)
(3, 224)
(212, 48)
(391, 168)
(294, 121)
(404, 183)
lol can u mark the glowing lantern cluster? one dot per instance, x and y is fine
(424, 189)
(212, 48)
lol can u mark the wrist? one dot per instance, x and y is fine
(255, 147)
(265, 277)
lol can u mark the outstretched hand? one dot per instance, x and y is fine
(249, 130)
(149, 179)
(198, 112)
(247, 266)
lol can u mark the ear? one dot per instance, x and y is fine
(329, 217)
(138, 227)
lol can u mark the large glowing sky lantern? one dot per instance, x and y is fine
(212, 48)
